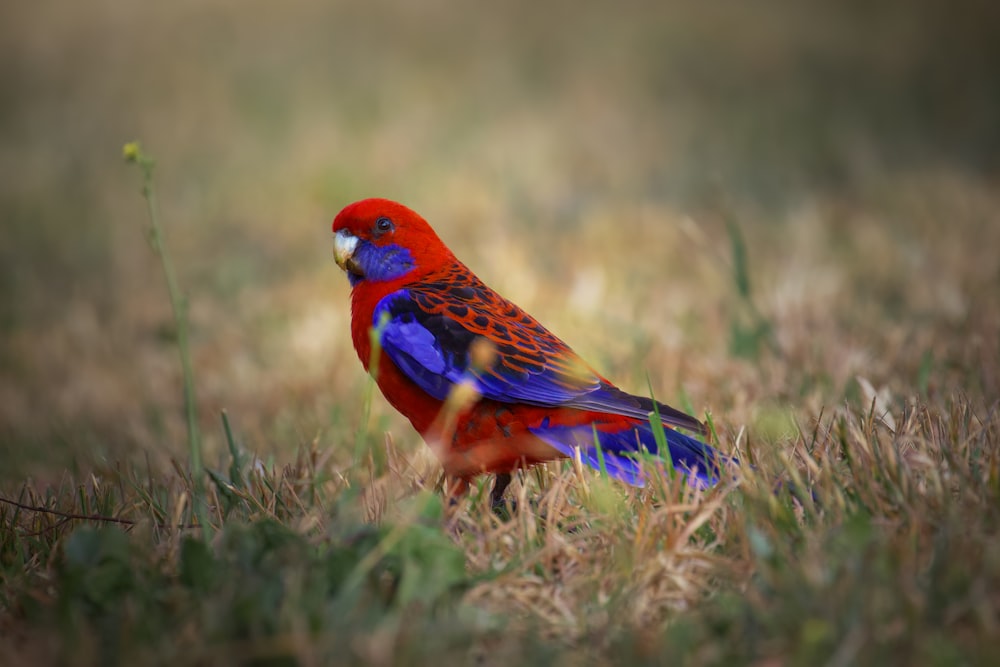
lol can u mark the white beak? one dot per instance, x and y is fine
(344, 245)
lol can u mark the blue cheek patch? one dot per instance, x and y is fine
(381, 263)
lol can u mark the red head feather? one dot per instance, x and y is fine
(406, 229)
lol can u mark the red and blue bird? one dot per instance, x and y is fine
(535, 399)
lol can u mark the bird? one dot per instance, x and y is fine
(488, 387)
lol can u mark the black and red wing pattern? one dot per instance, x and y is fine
(428, 328)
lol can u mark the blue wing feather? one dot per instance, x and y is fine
(621, 451)
(431, 347)
(432, 350)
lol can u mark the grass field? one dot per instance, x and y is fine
(782, 216)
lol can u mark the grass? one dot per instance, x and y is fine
(786, 222)
(893, 559)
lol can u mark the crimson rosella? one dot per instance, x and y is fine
(535, 399)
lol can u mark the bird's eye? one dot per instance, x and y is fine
(383, 225)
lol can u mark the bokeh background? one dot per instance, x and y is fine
(589, 160)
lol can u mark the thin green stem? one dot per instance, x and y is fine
(178, 303)
(375, 336)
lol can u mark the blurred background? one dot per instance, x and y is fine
(590, 162)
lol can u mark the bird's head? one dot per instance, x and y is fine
(377, 240)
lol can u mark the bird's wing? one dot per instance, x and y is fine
(427, 330)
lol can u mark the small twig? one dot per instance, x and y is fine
(63, 521)
(73, 516)
(68, 515)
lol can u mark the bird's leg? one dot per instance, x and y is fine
(500, 485)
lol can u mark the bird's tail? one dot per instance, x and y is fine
(620, 447)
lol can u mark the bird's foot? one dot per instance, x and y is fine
(500, 508)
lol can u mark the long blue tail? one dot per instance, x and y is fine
(623, 450)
